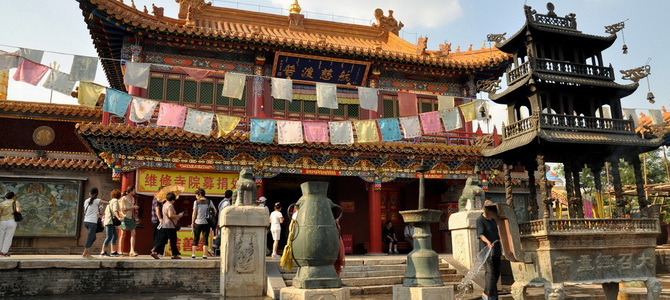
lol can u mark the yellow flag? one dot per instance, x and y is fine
(226, 123)
(4, 83)
(468, 111)
(89, 93)
(366, 131)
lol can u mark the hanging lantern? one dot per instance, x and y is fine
(625, 49)
(650, 97)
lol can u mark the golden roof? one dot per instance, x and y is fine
(206, 21)
(53, 163)
(34, 109)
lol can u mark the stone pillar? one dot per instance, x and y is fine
(375, 216)
(464, 241)
(578, 202)
(542, 168)
(618, 190)
(634, 160)
(509, 197)
(598, 185)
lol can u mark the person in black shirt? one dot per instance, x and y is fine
(388, 236)
(487, 232)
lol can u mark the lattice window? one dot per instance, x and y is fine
(156, 88)
(190, 91)
(278, 104)
(309, 107)
(295, 106)
(426, 107)
(339, 111)
(206, 93)
(221, 100)
(173, 91)
(389, 108)
(324, 111)
(353, 110)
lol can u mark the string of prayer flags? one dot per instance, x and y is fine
(83, 68)
(137, 74)
(30, 72)
(282, 88)
(656, 116)
(316, 132)
(8, 60)
(368, 98)
(31, 54)
(445, 102)
(451, 119)
(59, 82)
(226, 124)
(410, 127)
(88, 93)
(199, 122)
(142, 109)
(430, 122)
(341, 133)
(197, 74)
(390, 129)
(289, 132)
(233, 85)
(262, 131)
(116, 102)
(407, 104)
(171, 115)
(629, 113)
(468, 111)
(482, 110)
(366, 131)
(326, 95)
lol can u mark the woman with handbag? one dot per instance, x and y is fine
(128, 223)
(112, 219)
(8, 208)
(169, 226)
(91, 220)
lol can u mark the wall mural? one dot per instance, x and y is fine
(50, 207)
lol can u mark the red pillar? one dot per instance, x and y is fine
(127, 179)
(260, 188)
(375, 216)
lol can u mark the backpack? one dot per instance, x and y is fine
(211, 215)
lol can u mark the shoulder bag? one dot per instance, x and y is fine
(211, 215)
(99, 227)
(17, 215)
(115, 220)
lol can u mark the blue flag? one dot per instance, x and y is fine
(116, 102)
(390, 129)
(262, 131)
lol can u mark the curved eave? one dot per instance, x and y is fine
(53, 163)
(510, 89)
(518, 39)
(621, 89)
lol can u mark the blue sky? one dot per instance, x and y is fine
(59, 26)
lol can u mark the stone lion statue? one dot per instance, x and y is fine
(245, 192)
(471, 192)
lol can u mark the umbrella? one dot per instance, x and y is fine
(162, 194)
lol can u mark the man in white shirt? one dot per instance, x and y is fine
(409, 234)
(276, 218)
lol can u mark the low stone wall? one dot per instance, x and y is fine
(78, 277)
(662, 261)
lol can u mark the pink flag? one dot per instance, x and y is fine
(407, 104)
(171, 115)
(30, 72)
(197, 74)
(316, 132)
(430, 122)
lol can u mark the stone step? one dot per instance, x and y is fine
(347, 273)
(372, 290)
(367, 268)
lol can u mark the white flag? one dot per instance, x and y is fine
(326, 95)
(369, 98)
(629, 113)
(444, 102)
(411, 128)
(142, 109)
(656, 116)
(289, 132)
(59, 82)
(233, 85)
(282, 89)
(199, 122)
(482, 110)
(83, 68)
(137, 74)
(341, 133)
(8, 60)
(451, 119)
(31, 54)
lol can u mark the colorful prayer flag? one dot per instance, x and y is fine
(197, 74)
(137, 74)
(411, 128)
(390, 129)
(282, 89)
(468, 111)
(88, 93)
(316, 132)
(430, 122)
(83, 68)
(171, 115)
(262, 131)
(407, 104)
(289, 132)
(226, 124)
(116, 102)
(326, 95)
(199, 122)
(233, 85)
(368, 98)
(30, 72)
(59, 82)
(444, 102)
(142, 109)
(451, 118)
(31, 54)
(341, 133)
(366, 131)
(8, 60)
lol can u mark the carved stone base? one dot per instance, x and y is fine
(243, 251)
(291, 293)
(519, 290)
(445, 292)
(554, 291)
(653, 288)
(464, 242)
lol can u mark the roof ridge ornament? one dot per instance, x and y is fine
(388, 24)
(294, 8)
(636, 74)
(191, 6)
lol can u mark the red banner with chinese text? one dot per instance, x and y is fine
(215, 184)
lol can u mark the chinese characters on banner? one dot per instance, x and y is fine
(184, 242)
(320, 69)
(215, 184)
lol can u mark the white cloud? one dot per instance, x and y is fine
(427, 14)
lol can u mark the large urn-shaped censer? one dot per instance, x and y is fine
(316, 243)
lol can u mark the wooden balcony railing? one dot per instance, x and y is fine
(519, 127)
(555, 21)
(590, 124)
(517, 73)
(574, 69)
